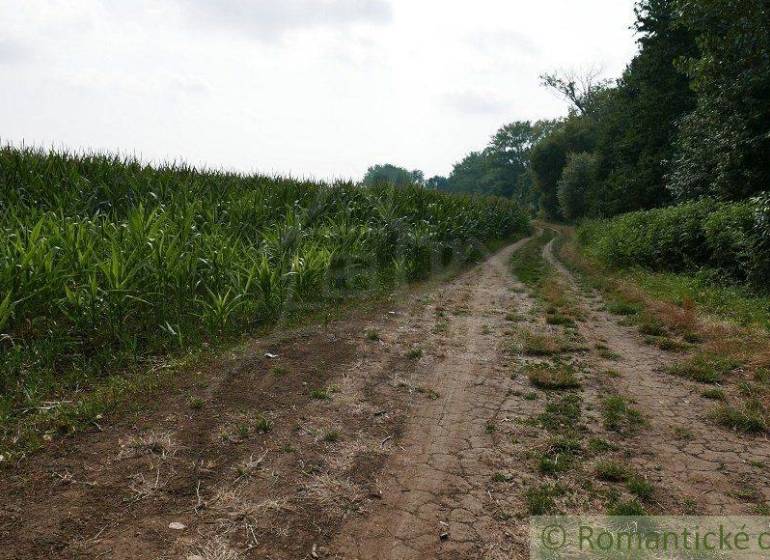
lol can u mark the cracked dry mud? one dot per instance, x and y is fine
(692, 459)
(401, 432)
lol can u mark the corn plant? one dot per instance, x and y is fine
(105, 262)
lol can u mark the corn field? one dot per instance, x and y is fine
(105, 262)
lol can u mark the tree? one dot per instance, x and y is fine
(576, 182)
(723, 145)
(549, 156)
(577, 87)
(637, 120)
(392, 175)
(471, 174)
(502, 168)
(437, 182)
(630, 127)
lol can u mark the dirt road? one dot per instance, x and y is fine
(407, 432)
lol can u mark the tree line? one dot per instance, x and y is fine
(688, 119)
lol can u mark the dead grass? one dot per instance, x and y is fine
(331, 491)
(544, 344)
(156, 443)
(216, 549)
(234, 503)
(552, 377)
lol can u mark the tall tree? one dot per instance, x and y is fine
(723, 149)
(392, 175)
(638, 120)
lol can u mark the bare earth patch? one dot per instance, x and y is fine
(428, 428)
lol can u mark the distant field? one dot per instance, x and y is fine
(105, 262)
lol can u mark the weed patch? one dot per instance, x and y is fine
(619, 416)
(704, 368)
(750, 418)
(552, 377)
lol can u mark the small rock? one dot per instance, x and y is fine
(194, 557)
(177, 526)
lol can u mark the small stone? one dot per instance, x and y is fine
(177, 526)
(194, 557)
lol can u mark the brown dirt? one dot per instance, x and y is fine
(703, 468)
(425, 448)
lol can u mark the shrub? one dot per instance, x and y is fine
(731, 239)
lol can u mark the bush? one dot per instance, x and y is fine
(727, 240)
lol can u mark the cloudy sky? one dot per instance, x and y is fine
(320, 88)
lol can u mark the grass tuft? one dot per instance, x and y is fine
(619, 416)
(704, 368)
(552, 377)
(750, 418)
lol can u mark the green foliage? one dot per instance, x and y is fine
(749, 417)
(729, 240)
(629, 127)
(723, 145)
(549, 156)
(502, 168)
(106, 262)
(392, 175)
(577, 180)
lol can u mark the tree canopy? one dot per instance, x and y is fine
(388, 174)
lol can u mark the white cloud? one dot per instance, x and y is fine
(270, 19)
(474, 103)
(13, 51)
(311, 87)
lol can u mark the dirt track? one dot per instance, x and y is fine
(415, 445)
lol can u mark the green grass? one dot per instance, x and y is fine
(619, 416)
(640, 487)
(372, 335)
(703, 252)
(196, 403)
(323, 394)
(559, 319)
(540, 499)
(528, 264)
(559, 456)
(108, 266)
(414, 353)
(561, 415)
(611, 471)
(624, 308)
(263, 424)
(332, 436)
(704, 368)
(736, 303)
(629, 508)
(599, 446)
(751, 417)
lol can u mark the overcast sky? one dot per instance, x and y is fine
(320, 88)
